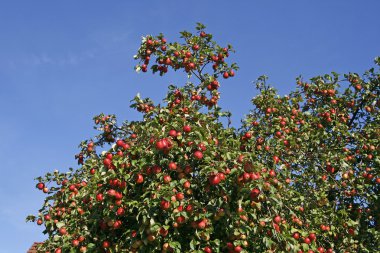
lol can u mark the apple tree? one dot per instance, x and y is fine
(301, 173)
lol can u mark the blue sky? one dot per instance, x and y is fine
(62, 62)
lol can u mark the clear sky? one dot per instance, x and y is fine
(62, 62)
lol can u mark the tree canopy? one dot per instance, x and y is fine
(301, 173)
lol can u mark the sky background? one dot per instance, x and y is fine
(62, 62)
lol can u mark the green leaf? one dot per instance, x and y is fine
(60, 224)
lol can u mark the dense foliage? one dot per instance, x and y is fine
(302, 174)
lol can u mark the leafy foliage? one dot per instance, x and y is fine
(300, 175)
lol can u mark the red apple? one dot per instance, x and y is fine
(99, 197)
(201, 224)
(277, 219)
(172, 166)
(238, 249)
(106, 244)
(40, 186)
(120, 143)
(198, 155)
(75, 243)
(139, 179)
(167, 179)
(214, 179)
(255, 193)
(207, 249)
(173, 133)
(180, 196)
(187, 129)
(195, 47)
(165, 205)
(62, 231)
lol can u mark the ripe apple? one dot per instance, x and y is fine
(189, 208)
(75, 243)
(187, 129)
(201, 224)
(40, 186)
(222, 176)
(168, 61)
(173, 133)
(111, 192)
(106, 244)
(181, 219)
(120, 143)
(120, 211)
(163, 232)
(312, 237)
(248, 135)
(207, 249)
(180, 196)
(186, 184)
(151, 238)
(351, 231)
(162, 144)
(172, 166)
(277, 219)
(139, 179)
(214, 179)
(165, 205)
(149, 42)
(167, 179)
(255, 193)
(62, 231)
(117, 224)
(195, 47)
(198, 155)
(238, 249)
(202, 146)
(107, 162)
(99, 197)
